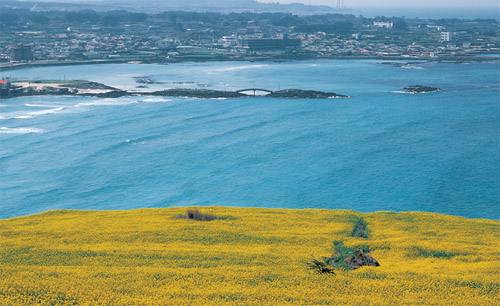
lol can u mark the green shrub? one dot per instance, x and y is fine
(321, 267)
(360, 229)
(421, 252)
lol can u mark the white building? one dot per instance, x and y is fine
(433, 27)
(446, 36)
(455, 36)
(383, 24)
(166, 43)
(229, 41)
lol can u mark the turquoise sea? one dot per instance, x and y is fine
(381, 149)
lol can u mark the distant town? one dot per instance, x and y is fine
(38, 36)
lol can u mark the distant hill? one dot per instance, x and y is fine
(151, 6)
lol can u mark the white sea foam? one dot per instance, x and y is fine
(42, 105)
(134, 141)
(105, 102)
(3, 105)
(236, 68)
(156, 100)
(6, 130)
(401, 92)
(40, 113)
(411, 67)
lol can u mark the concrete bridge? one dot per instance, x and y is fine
(255, 91)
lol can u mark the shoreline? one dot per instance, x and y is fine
(80, 88)
(35, 64)
(217, 207)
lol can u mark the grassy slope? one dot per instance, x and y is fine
(147, 257)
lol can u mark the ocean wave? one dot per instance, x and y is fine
(105, 102)
(400, 92)
(58, 108)
(39, 113)
(156, 100)
(42, 105)
(411, 67)
(135, 141)
(236, 68)
(117, 146)
(6, 130)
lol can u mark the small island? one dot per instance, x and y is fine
(304, 94)
(58, 88)
(197, 93)
(95, 89)
(416, 89)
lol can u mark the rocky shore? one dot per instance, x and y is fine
(94, 89)
(99, 90)
(196, 93)
(58, 88)
(416, 89)
(304, 94)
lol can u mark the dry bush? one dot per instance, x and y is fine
(195, 214)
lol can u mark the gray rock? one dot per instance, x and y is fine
(358, 259)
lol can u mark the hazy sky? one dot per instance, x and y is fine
(399, 3)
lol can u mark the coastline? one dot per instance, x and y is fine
(132, 211)
(94, 89)
(281, 58)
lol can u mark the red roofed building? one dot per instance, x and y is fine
(4, 84)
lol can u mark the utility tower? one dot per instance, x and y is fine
(340, 4)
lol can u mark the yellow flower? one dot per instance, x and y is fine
(250, 256)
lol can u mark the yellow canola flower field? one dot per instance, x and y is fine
(251, 256)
